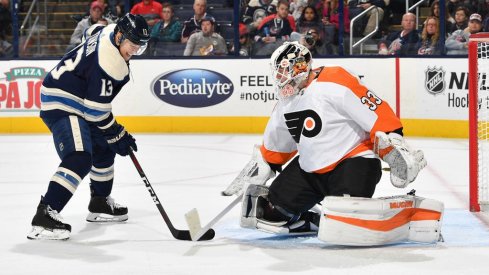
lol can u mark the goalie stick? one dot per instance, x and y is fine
(177, 234)
(193, 220)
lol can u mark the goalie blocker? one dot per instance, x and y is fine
(379, 221)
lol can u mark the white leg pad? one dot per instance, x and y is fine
(387, 220)
(251, 210)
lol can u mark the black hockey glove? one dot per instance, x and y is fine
(119, 140)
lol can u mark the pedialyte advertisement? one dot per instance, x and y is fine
(429, 88)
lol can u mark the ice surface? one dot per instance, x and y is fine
(189, 171)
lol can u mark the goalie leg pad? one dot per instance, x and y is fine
(253, 206)
(387, 220)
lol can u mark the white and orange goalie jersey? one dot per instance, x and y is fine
(335, 117)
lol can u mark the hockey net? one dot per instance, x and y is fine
(479, 122)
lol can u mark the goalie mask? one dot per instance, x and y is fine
(290, 65)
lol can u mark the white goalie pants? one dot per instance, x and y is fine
(378, 221)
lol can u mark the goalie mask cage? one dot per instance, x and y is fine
(479, 122)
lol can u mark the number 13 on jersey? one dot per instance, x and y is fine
(107, 87)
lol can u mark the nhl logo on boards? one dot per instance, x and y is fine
(435, 80)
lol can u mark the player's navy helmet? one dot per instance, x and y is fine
(134, 28)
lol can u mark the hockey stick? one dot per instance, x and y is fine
(193, 220)
(177, 234)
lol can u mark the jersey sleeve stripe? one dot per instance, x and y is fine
(72, 106)
(276, 157)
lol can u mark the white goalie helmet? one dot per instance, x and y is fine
(290, 64)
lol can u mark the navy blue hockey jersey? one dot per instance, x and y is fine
(86, 80)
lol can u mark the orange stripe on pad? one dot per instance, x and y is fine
(400, 219)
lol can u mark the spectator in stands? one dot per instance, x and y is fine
(245, 42)
(206, 42)
(168, 29)
(312, 40)
(430, 42)
(119, 8)
(274, 30)
(368, 23)
(331, 15)
(470, 5)
(331, 19)
(308, 19)
(255, 9)
(396, 8)
(150, 10)
(297, 8)
(458, 42)
(452, 5)
(193, 23)
(402, 42)
(435, 11)
(254, 13)
(108, 11)
(461, 19)
(112, 9)
(95, 16)
(5, 19)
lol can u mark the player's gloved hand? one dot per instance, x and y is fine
(119, 140)
(404, 162)
(257, 171)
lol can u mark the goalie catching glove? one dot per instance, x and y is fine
(404, 162)
(257, 171)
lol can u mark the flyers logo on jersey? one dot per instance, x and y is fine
(306, 123)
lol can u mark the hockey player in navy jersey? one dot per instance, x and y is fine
(76, 101)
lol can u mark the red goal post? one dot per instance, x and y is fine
(478, 52)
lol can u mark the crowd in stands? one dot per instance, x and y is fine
(5, 28)
(207, 28)
(384, 24)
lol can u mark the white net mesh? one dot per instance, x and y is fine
(483, 123)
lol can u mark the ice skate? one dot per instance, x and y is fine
(104, 209)
(308, 223)
(48, 224)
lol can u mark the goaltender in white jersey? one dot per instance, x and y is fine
(333, 119)
(331, 130)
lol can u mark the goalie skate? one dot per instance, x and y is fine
(47, 224)
(308, 224)
(104, 209)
